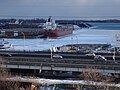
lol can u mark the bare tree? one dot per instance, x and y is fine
(4, 74)
(92, 76)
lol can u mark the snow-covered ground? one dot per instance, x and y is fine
(56, 81)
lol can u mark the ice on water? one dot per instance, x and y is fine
(81, 36)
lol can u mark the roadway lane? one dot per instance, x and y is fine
(40, 56)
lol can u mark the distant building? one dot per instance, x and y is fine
(19, 32)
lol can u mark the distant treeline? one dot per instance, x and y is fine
(57, 21)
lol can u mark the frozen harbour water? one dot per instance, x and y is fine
(82, 36)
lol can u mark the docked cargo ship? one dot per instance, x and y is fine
(55, 30)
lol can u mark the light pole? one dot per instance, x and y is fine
(77, 43)
(77, 39)
(51, 53)
(23, 38)
(116, 44)
(71, 42)
(114, 55)
(51, 50)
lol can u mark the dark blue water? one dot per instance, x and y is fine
(106, 26)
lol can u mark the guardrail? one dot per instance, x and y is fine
(61, 65)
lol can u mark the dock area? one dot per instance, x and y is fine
(86, 48)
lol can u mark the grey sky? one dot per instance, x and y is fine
(62, 8)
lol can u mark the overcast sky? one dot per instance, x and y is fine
(60, 8)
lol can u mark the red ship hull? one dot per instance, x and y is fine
(59, 31)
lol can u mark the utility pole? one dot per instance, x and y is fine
(51, 53)
(114, 55)
(23, 38)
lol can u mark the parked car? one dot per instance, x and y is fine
(90, 54)
(57, 56)
(100, 58)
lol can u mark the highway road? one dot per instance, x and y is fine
(48, 56)
(66, 56)
(69, 61)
